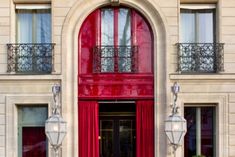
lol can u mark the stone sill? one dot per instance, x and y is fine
(30, 77)
(218, 76)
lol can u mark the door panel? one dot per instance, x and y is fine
(117, 136)
(106, 138)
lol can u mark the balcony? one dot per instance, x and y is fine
(115, 59)
(30, 58)
(200, 57)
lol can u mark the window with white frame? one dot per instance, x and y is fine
(201, 133)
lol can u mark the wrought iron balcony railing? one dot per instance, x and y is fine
(115, 59)
(200, 57)
(30, 58)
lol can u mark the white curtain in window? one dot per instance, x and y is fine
(197, 26)
(34, 26)
(205, 27)
(187, 28)
(24, 26)
(43, 26)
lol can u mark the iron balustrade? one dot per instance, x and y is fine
(115, 59)
(200, 57)
(37, 58)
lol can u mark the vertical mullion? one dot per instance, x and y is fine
(98, 28)
(198, 131)
(116, 10)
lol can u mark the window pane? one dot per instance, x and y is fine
(107, 64)
(197, 26)
(107, 38)
(127, 138)
(106, 138)
(34, 26)
(187, 27)
(124, 27)
(124, 38)
(207, 141)
(107, 27)
(38, 115)
(205, 27)
(190, 137)
(207, 131)
(34, 142)
(43, 26)
(24, 26)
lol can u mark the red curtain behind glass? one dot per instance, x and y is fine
(145, 128)
(33, 142)
(88, 129)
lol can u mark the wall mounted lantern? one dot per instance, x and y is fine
(55, 126)
(175, 125)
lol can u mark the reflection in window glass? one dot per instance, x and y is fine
(34, 26)
(107, 39)
(200, 122)
(32, 141)
(124, 39)
(124, 27)
(107, 27)
(106, 138)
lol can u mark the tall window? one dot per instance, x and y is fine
(200, 137)
(31, 131)
(33, 53)
(116, 36)
(198, 46)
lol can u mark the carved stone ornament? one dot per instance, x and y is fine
(114, 2)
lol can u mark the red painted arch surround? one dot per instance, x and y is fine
(98, 86)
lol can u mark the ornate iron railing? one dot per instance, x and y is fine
(200, 57)
(115, 59)
(30, 58)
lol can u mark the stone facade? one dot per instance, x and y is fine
(163, 16)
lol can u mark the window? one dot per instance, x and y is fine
(200, 136)
(33, 51)
(116, 50)
(198, 49)
(197, 26)
(33, 23)
(31, 133)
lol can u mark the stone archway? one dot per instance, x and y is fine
(70, 30)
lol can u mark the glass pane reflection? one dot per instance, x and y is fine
(107, 27)
(106, 138)
(34, 142)
(124, 27)
(126, 137)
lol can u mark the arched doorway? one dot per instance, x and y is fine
(116, 84)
